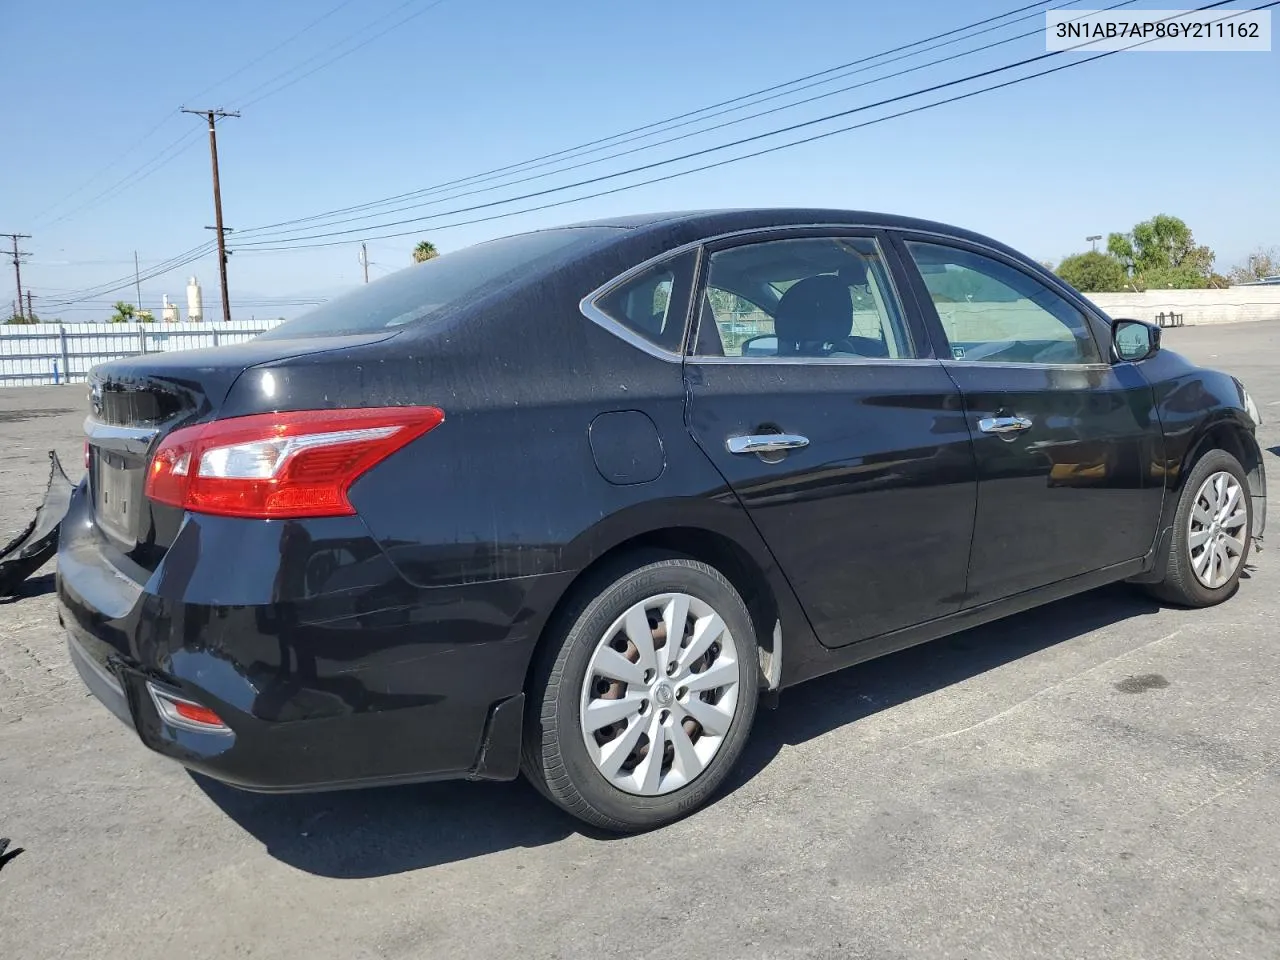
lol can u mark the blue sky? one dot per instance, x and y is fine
(465, 86)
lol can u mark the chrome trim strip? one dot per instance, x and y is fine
(820, 361)
(602, 319)
(135, 440)
(593, 313)
(997, 365)
(587, 305)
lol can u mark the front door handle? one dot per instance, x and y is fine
(766, 443)
(1005, 425)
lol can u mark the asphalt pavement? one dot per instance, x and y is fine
(1096, 778)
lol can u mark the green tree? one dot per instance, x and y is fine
(1093, 272)
(124, 312)
(1163, 243)
(17, 319)
(1262, 263)
(424, 250)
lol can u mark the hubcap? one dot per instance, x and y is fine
(660, 694)
(1216, 529)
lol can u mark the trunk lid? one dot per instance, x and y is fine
(136, 402)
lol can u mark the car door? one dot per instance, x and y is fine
(1067, 443)
(813, 389)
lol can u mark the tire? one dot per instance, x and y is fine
(574, 767)
(1182, 584)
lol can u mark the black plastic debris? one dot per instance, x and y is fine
(5, 853)
(36, 545)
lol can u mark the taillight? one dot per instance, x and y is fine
(280, 465)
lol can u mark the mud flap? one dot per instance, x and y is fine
(37, 544)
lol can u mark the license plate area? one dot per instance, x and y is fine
(118, 494)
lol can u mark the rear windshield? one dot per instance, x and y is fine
(427, 289)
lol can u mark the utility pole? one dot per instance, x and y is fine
(17, 265)
(137, 283)
(364, 261)
(213, 116)
(31, 314)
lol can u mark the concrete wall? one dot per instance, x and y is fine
(46, 353)
(1232, 305)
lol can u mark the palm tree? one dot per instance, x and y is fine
(424, 251)
(124, 312)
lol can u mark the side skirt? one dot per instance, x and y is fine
(840, 657)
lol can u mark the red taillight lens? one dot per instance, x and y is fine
(280, 465)
(197, 714)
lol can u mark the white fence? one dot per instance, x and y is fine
(44, 353)
(1232, 305)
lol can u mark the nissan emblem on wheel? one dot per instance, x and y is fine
(574, 503)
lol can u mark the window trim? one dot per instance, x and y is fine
(920, 315)
(917, 333)
(938, 334)
(592, 311)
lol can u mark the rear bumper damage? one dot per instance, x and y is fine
(326, 668)
(35, 546)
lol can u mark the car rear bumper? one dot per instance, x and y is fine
(372, 681)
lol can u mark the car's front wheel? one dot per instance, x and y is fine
(641, 704)
(1211, 533)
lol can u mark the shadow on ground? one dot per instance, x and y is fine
(367, 833)
(32, 587)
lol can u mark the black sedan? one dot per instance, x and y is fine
(573, 502)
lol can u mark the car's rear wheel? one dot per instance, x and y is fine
(1211, 533)
(641, 704)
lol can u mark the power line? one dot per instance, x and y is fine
(165, 156)
(279, 46)
(125, 182)
(122, 283)
(585, 147)
(109, 166)
(778, 147)
(245, 103)
(261, 234)
(687, 156)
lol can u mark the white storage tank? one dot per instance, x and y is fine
(169, 312)
(195, 303)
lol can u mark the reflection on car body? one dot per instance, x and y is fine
(569, 502)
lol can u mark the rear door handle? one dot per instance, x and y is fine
(1004, 424)
(766, 442)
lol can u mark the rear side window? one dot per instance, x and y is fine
(420, 292)
(651, 304)
(818, 297)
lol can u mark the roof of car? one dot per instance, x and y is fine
(713, 222)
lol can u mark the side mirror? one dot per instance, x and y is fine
(1134, 339)
(765, 345)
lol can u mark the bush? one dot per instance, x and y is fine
(1093, 272)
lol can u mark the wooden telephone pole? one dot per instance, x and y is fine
(17, 265)
(213, 116)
